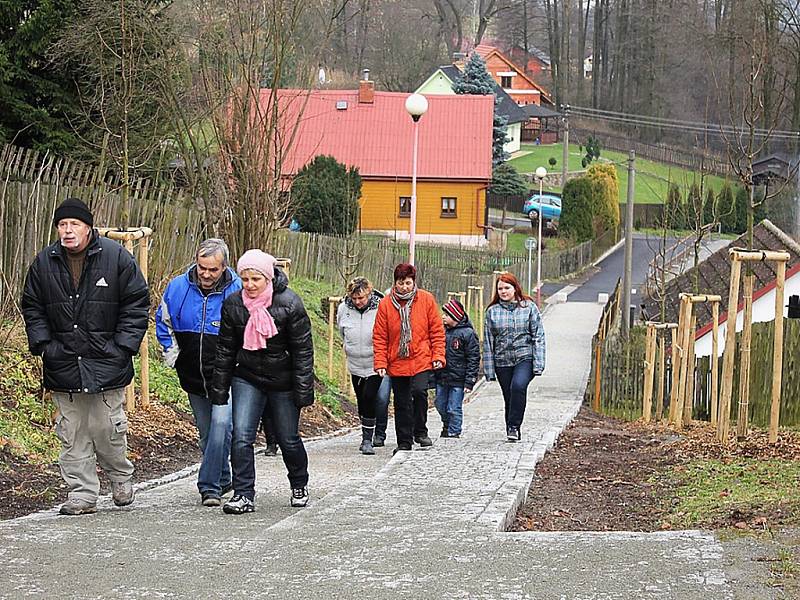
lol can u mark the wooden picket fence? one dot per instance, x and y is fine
(441, 269)
(622, 377)
(32, 184)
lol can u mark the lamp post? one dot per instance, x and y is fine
(541, 173)
(416, 105)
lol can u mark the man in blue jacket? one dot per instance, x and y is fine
(187, 326)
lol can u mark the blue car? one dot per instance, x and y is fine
(549, 205)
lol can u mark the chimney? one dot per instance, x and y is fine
(366, 89)
(459, 59)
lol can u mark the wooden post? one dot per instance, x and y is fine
(688, 396)
(744, 359)
(331, 302)
(661, 374)
(649, 368)
(777, 353)
(144, 356)
(127, 236)
(598, 364)
(714, 362)
(686, 341)
(724, 416)
(678, 353)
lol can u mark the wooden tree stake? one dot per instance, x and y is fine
(724, 416)
(649, 369)
(777, 353)
(689, 364)
(714, 362)
(661, 376)
(744, 359)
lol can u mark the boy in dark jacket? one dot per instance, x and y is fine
(463, 357)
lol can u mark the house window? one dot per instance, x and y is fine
(405, 206)
(505, 81)
(448, 207)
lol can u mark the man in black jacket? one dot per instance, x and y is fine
(85, 305)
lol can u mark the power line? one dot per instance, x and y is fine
(679, 125)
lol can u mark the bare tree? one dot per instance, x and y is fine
(119, 51)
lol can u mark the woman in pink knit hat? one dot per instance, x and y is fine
(266, 357)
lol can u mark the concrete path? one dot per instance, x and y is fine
(419, 525)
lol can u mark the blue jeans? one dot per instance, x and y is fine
(249, 404)
(215, 427)
(382, 406)
(449, 403)
(514, 382)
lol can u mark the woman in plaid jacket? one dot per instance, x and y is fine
(513, 347)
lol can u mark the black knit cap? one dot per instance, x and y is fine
(73, 208)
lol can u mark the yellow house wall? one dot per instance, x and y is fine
(380, 205)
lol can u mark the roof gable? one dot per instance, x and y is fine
(713, 275)
(487, 51)
(506, 107)
(455, 134)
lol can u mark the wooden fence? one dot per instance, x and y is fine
(712, 162)
(441, 269)
(622, 377)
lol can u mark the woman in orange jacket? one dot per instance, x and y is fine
(409, 343)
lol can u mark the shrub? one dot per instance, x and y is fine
(507, 182)
(325, 196)
(552, 161)
(576, 209)
(605, 194)
(726, 211)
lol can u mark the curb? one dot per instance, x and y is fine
(609, 252)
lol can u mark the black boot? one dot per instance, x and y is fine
(367, 431)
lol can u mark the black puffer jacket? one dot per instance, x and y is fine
(287, 363)
(463, 356)
(86, 336)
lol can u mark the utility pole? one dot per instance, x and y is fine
(628, 273)
(565, 153)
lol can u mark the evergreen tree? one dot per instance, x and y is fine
(507, 182)
(37, 98)
(742, 200)
(605, 194)
(576, 209)
(709, 213)
(325, 195)
(694, 207)
(476, 80)
(726, 211)
(674, 215)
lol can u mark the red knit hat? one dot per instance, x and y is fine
(454, 309)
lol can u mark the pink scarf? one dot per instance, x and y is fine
(260, 326)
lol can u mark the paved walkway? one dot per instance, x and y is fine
(419, 525)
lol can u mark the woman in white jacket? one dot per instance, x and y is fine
(356, 318)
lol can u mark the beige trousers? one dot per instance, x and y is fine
(92, 429)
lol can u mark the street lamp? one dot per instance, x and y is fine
(416, 105)
(541, 173)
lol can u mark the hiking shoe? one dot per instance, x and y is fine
(238, 505)
(299, 497)
(272, 450)
(424, 441)
(378, 441)
(366, 447)
(402, 448)
(513, 435)
(73, 506)
(210, 499)
(122, 492)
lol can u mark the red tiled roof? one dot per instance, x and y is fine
(455, 134)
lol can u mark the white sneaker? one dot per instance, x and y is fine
(299, 497)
